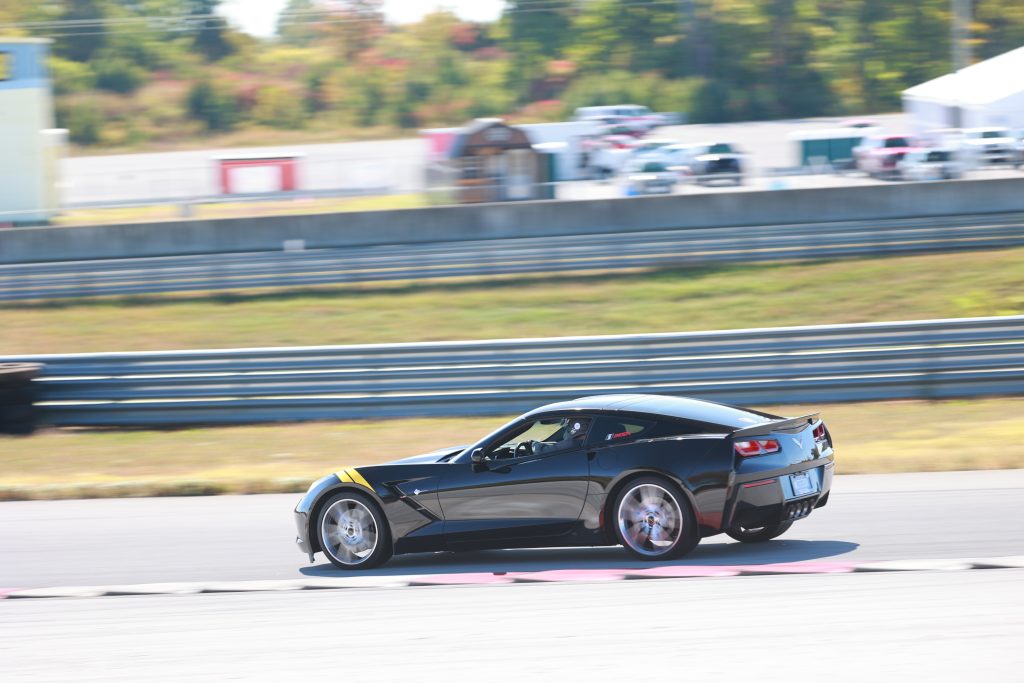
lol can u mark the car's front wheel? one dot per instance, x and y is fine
(353, 531)
(759, 534)
(654, 521)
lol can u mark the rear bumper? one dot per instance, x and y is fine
(769, 500)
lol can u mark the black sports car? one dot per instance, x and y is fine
(653, 473)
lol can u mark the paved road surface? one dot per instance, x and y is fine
(228, 538)
(940, 626)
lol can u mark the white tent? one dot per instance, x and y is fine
(989, 93)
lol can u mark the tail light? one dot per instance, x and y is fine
(819, 432)
(747, 449)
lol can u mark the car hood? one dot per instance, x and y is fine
(431, 457)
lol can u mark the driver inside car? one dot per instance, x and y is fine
(570, 435)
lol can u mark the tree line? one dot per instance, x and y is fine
(128, 72)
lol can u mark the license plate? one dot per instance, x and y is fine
(802, 484)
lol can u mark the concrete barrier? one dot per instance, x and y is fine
(523, 219)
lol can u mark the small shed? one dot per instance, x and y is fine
(257, 173)
(830, 147)
(986, 94)
(490, 161)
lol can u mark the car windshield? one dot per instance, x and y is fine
(989, 134)
(653, 167)
(897, 142)
(720, 148)
(938, 156)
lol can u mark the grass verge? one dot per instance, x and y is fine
(669, 300)
(895, 436)
(238, 209)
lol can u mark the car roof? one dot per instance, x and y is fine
(666, 406)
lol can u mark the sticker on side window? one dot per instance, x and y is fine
(616, 435)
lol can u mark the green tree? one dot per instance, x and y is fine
(217, 109)
(84, 122)
(279, 108)
(70, 77)
(533, 36)
(295, 23)
(354, 26)
(210, 30)
(998, 27)
(88, 34)
(118, 74)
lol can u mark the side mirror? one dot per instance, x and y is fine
(477, 456)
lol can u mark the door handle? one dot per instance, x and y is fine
(591, 455)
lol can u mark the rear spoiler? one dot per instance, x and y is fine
(780, 425)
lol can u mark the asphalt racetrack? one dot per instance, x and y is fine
(911, 625)
(240, 538)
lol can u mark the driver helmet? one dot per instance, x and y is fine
(575, 427)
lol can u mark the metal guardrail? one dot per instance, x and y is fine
(916, 359)
(287, 269)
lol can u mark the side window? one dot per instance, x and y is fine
(611, 430)
(540, 437)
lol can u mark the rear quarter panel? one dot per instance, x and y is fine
(700, 465)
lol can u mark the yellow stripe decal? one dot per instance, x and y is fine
(358, 478)
(343, 476)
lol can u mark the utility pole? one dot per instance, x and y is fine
(691, 25)
(961, 53)
(961, 33)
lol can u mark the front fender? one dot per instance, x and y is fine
(308, 507)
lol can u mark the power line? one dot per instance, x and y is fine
(200, 22)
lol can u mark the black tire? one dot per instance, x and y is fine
(382, 548)
(759, 534)
(688, 536)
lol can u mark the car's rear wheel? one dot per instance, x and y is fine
(759, 534)
(353, 531)
(653, 519)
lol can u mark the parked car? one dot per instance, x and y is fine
(992, 147)
(671, 118)
(636, 116)
(647, 175)
(645, 146)
(677, 158)
(879, 155)
(711, 162)
(652, 473)
(607, 156)
(931, 164)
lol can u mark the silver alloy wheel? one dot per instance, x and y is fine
(650, 520)
(349, 531)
